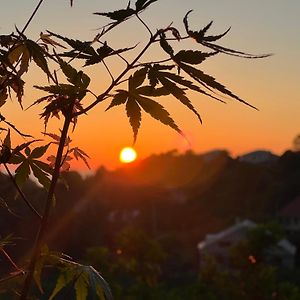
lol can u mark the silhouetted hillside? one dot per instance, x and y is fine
(180, 195)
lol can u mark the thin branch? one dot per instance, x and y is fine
(102, 96)
(118, 54)
(108, 70)
(2, 280)
(174, 39)
(145, 25)
(21, 193)
(5, 205)
(122, 81)
(153, 62)
(32, 16)
(44, 224)
(10, 260)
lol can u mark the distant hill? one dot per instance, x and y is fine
(183, 195)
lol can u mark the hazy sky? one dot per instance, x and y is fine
(271, 84)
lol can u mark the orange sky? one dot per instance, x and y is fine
(271, 84)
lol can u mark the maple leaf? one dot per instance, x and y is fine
(62, 96)
(80, 155)
(121, 15)
(206, 40)
(175, 85)
(184, 59)
(136, 100)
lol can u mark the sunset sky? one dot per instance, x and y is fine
(271, 84)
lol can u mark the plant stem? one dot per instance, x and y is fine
(21, 193)
(116, 81)
(32, 16)
(44, 223)
(10, 260)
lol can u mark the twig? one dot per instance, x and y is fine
(146, 26)
(10, 260)
(44, 223)
(108, 70)
(21, 272)
(21, 193)
(102, 96)
(32, 16)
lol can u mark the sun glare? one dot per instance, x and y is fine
(127, 155)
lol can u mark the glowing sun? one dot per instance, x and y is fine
(127, 155)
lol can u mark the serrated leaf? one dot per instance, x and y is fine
(134, 114)
(99, 284)
(37, 54)
(80, 154)
(40, 175)
(199, 37)
(137, 78)
(180, 80)
(158, 112)
(43, 166)
(77, 45)
(39, 151)
(3, 96)
(22, 173)
(143, 4)
(179, 94)
(118, 99)
(165, 45)
(27, 151)
(192, 57)
(63, 280)
(210, 82)
(59, 89)
(153, 92)
(81, 287)
(118, 15)
(103, 52)
(7, 141)
(16, 159)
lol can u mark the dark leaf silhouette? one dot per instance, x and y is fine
(85, 50)
(192, 57)
(37, 53)
(124, 14)
(80, 155)
(134, 114)
(210, 82)
(158, 112)
(29, 162)
(118, 99)
(143, 4)
(119, 15)
(201, 37)
(136, 100)
(165, 45)
(173, 82)
(84, 279)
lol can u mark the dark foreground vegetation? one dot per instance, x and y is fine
(140, 225)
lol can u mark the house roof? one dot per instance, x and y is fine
(212, 238)
(247, 225)
(292, 210)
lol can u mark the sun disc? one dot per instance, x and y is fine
(128, 155)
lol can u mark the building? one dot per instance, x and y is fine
(219, 245)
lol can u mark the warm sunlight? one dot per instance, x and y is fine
(127, 155)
